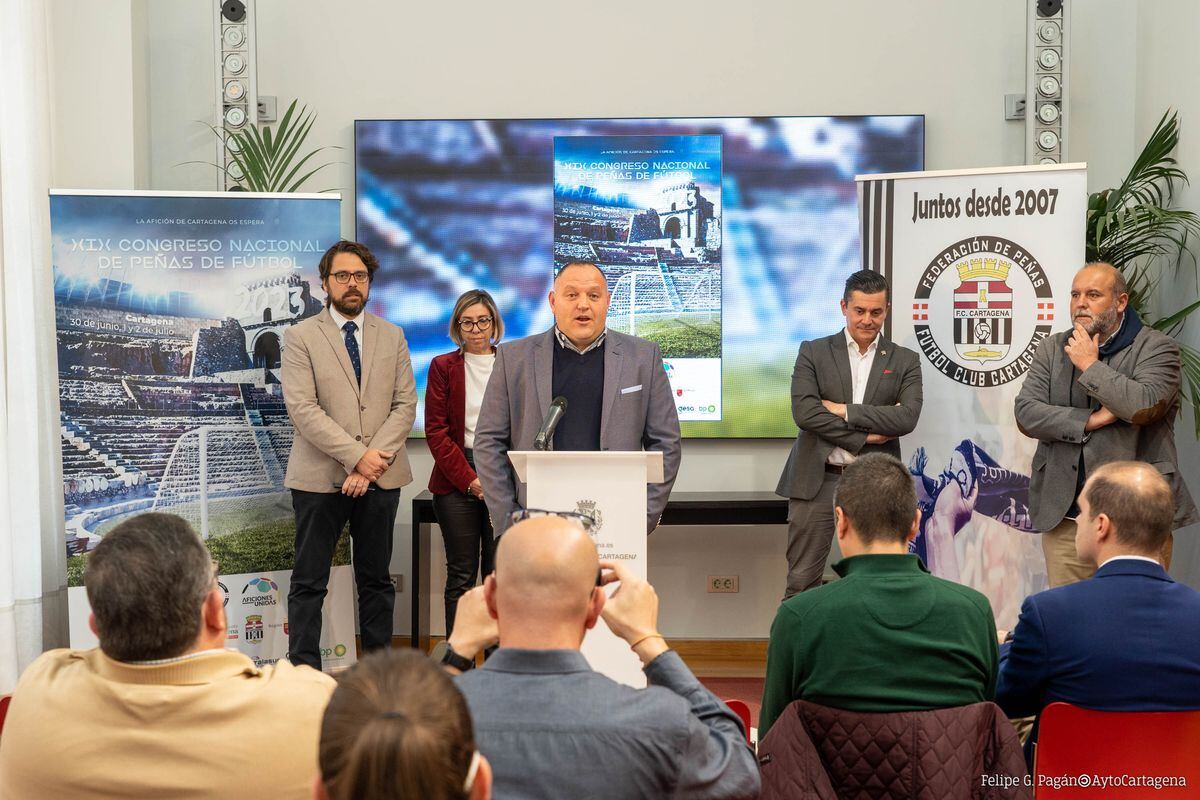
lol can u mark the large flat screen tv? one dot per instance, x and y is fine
(726, 240)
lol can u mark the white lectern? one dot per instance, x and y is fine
(610, 486)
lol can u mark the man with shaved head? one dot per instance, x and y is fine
(1127, 639)
(1106, 390)
(549, 725)
(616, 391)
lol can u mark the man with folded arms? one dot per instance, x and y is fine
(549, 725)
(160, 709)
(1126, 639)
(888, 636)
(853, 393)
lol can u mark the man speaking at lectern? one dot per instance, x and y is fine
(616, 392)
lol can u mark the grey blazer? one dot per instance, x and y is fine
(638, 413)
(891, 406)
(336, 419)
(1140, 384)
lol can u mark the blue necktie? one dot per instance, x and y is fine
(352, 349)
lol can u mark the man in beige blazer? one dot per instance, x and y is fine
(350, 394)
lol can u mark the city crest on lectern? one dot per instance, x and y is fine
(591, 509)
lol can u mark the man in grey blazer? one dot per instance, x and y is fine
(853, 392)
(350, 394)
(1107, 390)
(618, 396)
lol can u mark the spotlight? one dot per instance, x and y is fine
(1047, 90)
(237, 92)
(233, 10)
(1049, 8)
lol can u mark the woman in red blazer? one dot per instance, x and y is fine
(453, 394)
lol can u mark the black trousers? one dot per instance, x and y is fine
(470, 545)
(320, 518)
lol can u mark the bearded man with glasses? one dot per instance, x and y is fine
(349, 389)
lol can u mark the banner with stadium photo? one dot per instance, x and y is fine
(980, 263)
(170, 311)
(647, 210)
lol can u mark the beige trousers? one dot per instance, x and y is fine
(1063, 565)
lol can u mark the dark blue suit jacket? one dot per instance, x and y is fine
(1127, 639)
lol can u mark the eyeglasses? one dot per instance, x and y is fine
(585, 521)
(343, 278)
(483, 323)
(472, 772)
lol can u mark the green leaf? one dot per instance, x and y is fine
(295, 186)
(1174, 322)
(270, 158)
(1134, 228)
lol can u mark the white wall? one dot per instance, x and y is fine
(181, 100)
(91, 65)
(953, 61)
(1166, 65)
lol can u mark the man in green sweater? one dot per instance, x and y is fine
(888, 636)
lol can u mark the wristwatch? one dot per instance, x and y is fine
(449, 658)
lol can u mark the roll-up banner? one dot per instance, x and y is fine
(980, 263)
(170, 310)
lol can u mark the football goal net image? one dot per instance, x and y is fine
(680, 311)
(225, 478)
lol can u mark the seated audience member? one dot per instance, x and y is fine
(161, 709)
(396, 728)
(888, 636)
(1126, 639)
(549, 725)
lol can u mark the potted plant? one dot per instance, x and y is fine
(1134, 228)
(266, 160)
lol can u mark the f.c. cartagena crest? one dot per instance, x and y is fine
(980, 310)
(253, 630)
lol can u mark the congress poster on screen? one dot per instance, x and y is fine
(170, 312)
(980, 264)
(647, 211)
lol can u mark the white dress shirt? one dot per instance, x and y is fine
(567, 343)
(478, 369)
(1132, 558)
(860, 370)
(339, 320)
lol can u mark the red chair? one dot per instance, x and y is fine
(1074, 742)
(5, 699)
(740, 708)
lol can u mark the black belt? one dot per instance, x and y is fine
(835, 469)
